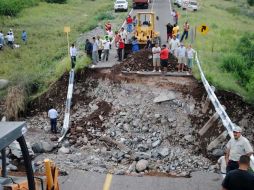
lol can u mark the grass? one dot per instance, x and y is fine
(44, 59)
(227, 21)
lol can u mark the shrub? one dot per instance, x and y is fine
(250, 2)
(13, 7)
(56, 1)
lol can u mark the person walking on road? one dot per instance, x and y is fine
(95, 51)
(73, 53)
(181, 56)
(129, 22)
(156, 50)
(52, 114)
(186, 28)
(169, 31)
(108, 26)
(173, 45)
(89, 48)
(239, 179)
(164, 54)
(236, 147)
(190, 55)
(176, 31)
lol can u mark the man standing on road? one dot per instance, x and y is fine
(89, 48)
(95, 52)
(106, 45)
(156, 57)
(173, 45)
(100, 46)
(164, 59)
(190, 55)
(181, 56)
(237, 147)
(186, 28)
(52, 114)
(169, 31)
(123, 34)
(239, 179)
(120, 49)
(73, 53)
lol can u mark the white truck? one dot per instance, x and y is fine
(191, 5)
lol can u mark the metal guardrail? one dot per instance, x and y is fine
(227, 123)
(66, 125)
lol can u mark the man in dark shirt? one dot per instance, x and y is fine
(169, 31)
(239, 179)
(89, 48)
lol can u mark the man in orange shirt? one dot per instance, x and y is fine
(164, 58)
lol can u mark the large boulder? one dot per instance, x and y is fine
(41, 147)
(141, 165)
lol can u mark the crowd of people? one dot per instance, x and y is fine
(9, 39)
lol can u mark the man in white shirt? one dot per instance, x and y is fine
(190, 55)
(95, 52)
(181, 56)
(52, 114)
(237, 147)
(106, 45)
(73, 53)
(174, 43)
(156, 50)
(123, 34)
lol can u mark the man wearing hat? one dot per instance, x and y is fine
(237, 147)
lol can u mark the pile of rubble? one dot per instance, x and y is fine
(142, 61)
(129, 129)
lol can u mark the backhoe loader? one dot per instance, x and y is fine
(9, 132)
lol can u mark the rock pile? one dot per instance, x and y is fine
(122, 130)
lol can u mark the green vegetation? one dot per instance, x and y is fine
(44, 59)
(226, 52)
(13, 7)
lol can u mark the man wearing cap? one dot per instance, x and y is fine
(237, 147)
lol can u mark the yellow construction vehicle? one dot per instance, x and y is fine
(146, 28)
(9, 132)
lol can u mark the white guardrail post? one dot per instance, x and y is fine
(66, 122)
(227, 123)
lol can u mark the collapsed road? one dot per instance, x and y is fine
(134, 125)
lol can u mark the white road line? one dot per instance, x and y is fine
(152, 5)
(170, 8)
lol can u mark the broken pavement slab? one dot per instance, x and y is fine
(165, 97)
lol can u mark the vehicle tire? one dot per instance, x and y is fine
(126, 10)
(115, 10)
(184, 8)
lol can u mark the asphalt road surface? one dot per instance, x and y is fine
(80, 180)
